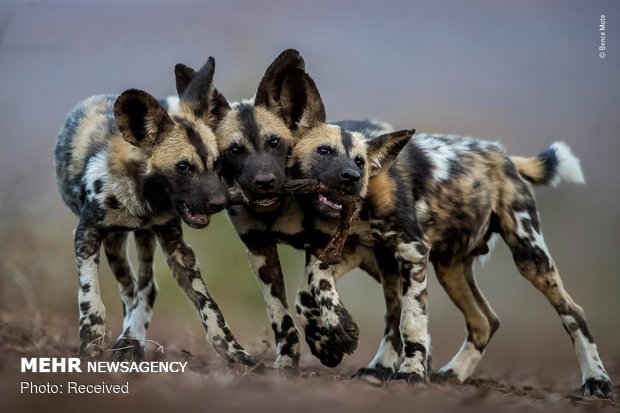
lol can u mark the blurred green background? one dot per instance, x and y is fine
(525, 73)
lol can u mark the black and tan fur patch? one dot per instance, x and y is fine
(452, 194)
(439, 201)
(124, 164)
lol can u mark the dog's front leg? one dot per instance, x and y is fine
(87, 242)
(265, 263)
(413, 260)
(184, 266)
(335, 333)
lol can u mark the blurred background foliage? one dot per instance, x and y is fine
(525, 73)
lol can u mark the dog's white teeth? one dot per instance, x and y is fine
(326, 201)
(194, 217)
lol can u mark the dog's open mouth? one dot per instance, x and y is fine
(323, 200)
(194, 219)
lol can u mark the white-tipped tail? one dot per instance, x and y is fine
(550, 167)
(569, 166)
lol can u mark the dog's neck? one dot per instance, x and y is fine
(127, 166)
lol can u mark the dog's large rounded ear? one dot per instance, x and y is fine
(140, 118)
(198, 93)
(300, 101)
(383, 150)
(183, 75)
(268, 92)
(219, 105)
(289, 92)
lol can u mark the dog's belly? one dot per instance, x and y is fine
(456, 231)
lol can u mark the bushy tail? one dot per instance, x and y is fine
(551, 166)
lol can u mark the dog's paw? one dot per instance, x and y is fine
(334, 343)
(445, 376)
(93, 348)
(377, 375)
(597, 387)
(128, 349)
(329, 356)
(242, 357)
(288, 364)
(343, 336)
(410, 378)
(330, 344)
(322, 345)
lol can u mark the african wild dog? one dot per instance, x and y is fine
(123, 164)
(255, 141)
(451, 194)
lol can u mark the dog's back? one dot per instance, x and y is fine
(87, 131)
(456, 183)
(457, 186)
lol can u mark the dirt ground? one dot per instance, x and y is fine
(210, 386)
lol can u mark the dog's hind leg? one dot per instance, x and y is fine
(87, 242)
(521, 231)
(458, 280)
(115, 247)
(146, 286)
(388, 356)
(137, 301)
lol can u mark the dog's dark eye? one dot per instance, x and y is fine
(235, 149)
(324, 150)
(217, 163)
(183, 167)
(360, 162)
(274, 142)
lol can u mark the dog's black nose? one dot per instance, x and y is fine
(217, 203)
(350, 176)
(265, 181)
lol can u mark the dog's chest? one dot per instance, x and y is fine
(295, 228)
(290, 220)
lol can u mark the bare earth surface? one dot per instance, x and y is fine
(209, 386)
